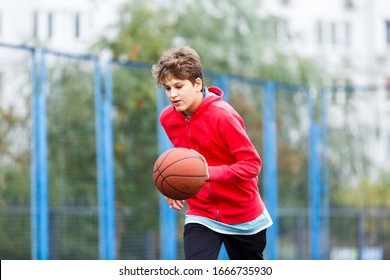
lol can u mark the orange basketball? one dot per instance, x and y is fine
(179, 173)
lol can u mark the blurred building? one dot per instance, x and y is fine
(63, 25)
(350, 37)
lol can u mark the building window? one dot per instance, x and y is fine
(1, 84)
(387, 85)
(1, 23)
(276, 30)
(348, 4)
(388, 146)
(50, 21)
(388, 33)
(320, 33)
(333, 34)
(347, 29)
(35, 25)
(77, 25)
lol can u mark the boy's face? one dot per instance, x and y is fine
(184, 95)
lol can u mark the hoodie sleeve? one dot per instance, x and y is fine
(246, 162)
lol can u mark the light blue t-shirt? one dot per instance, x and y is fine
(249, 228)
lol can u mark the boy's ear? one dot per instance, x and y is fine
(198, 84)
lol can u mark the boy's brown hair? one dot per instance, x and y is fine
(182, 63)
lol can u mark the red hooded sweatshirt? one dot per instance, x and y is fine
(217, 131)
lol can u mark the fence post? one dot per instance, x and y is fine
(270, 166)
(109, 182)
(99, 115)
(42, 200)
(34, 154)
(168, 217)
(314, 182)
(222, 81)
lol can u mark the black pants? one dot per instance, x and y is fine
(201, 243)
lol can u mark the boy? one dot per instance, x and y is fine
(228, 209)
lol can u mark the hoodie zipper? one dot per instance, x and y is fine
(188, 120)
(216, 201)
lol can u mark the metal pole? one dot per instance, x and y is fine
(42, 172)
(222, 81)
(109, 176)
(33, 160)
(314, 182)
(270, 166)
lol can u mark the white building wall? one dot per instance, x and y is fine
(360, 55)
(21, 19)
(353, 42)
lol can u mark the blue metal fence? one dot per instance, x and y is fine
(318, 212)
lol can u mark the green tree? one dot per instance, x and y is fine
(230, 36)
(368, 194)
(135, 148)
(144, 30)
(72, 160)
(15, 136)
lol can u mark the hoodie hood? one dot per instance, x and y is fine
(215, 90)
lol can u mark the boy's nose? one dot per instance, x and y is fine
(173, 93)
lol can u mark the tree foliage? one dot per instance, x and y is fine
(367, 195)
(230, 36)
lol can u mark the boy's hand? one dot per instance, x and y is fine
(205, 162)
(174, 204)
